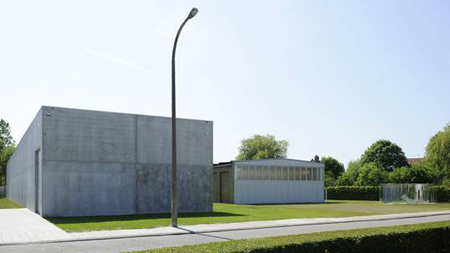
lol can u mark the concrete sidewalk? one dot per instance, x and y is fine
(62, 236)
(19, 226)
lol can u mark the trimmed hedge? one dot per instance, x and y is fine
(428, 237)
(373, 193)
(443, 193)
(354, 192)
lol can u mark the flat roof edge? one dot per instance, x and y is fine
(123, 113)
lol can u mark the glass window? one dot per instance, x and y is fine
(272, 171)
(265, 173)
(314, 174)
(245, 172)
(285, 173)
(251, 172)
(297, 173)
(238, 172)
(309, 174)
(303, 174)
(259, 172)
(279, 173)
(291, 173)
(319, 173)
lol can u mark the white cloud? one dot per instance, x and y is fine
(111, 58)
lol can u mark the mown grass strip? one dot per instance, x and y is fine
(7, 204)
(226, 213)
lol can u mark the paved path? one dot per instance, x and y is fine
(23, 226)
(147, 242)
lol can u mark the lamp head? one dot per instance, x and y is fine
(193, 13)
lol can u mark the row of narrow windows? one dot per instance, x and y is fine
(258, 172)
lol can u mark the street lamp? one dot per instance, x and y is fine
(174, 198)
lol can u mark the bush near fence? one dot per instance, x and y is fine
(353, 192)
(373, 193)
(443, 193)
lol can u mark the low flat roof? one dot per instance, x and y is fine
(273, 161)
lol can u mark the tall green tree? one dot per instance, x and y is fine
(5, 154)
(262, 147)
(371, 175)
(333, 166)
(438, 151)
(7, 147)
(350, 176)
(419, 173)
(5, 135)
(385, 154)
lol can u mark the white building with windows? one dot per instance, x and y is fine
(269, 181)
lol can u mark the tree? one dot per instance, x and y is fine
(399, 176)
(385, 154)
(371, 175)
(6, 148)
(329, 179)
(419, 173)
(5, 135)
(261, 147)
(350, 176)
(438, 151)
(333, 166)
(5, 154)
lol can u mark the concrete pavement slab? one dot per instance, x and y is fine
(23, 226)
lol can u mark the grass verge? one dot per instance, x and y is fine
(427, 237)
(226, 213)
(7, 204)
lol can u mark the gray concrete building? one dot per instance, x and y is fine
(74, 162)
(269, 181)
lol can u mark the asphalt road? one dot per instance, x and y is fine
(143, 243)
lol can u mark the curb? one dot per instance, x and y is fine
(354, 219)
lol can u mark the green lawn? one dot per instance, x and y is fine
(225, 213)
(6, 203)
(280, 243)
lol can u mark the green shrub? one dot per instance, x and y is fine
(354, 192)
(443, 193)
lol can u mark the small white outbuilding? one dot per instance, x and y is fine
(269, 181)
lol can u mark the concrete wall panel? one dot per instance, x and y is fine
(87, 189)
(195, 184)
(154, 141)
(21, 167)
(89, 136)
(153, 189)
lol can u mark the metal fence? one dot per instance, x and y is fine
(2, 191)
(408, 193)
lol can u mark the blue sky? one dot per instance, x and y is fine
(331, 77)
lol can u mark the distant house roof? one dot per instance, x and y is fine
(412, 161)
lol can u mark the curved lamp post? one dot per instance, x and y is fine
(174, 198)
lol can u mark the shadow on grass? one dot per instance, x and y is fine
(299, 204)
(74, 220)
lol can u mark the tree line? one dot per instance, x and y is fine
(385, 162)
(382, 162)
